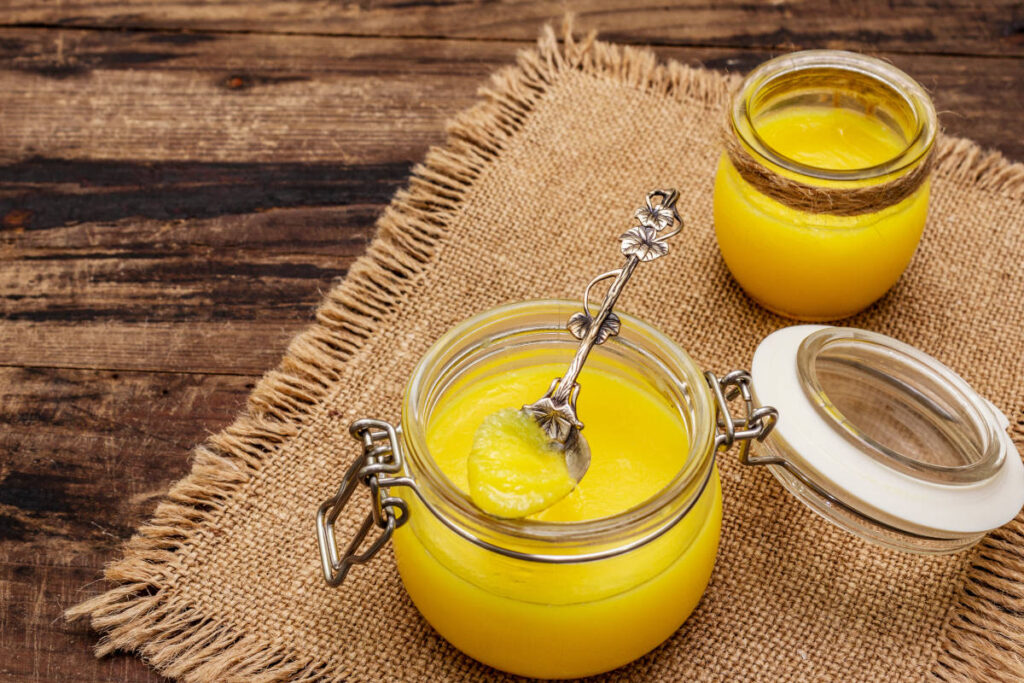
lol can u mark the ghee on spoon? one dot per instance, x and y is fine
(524, 461)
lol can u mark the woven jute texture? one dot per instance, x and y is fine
(224, 582)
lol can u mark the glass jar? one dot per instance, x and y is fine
(877, 437)
(822, 193)
(558, 600)
(555, 599)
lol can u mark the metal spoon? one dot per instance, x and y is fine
(555, 412)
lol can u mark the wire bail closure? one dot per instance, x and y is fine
(756, 423)
(382, 456)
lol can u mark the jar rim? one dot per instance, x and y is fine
(980, 436)
(559, 541)
(894, 80)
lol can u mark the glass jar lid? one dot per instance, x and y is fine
(885, 440)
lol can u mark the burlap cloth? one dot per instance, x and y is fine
(224, 583)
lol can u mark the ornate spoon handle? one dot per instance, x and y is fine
(556, 411)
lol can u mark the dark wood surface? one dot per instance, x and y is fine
(180, 181)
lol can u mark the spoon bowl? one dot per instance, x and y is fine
(577, 454)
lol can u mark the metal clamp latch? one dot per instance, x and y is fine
(756, 423)
(382, 456)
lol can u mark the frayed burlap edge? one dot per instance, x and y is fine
(985, 635)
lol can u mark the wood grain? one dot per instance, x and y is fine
(932, 26)
(179, 181)
(367, 103)
(101, 95)
(221, 294)
(87, 456)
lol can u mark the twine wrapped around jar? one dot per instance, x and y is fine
(837, 201)
(849, 181)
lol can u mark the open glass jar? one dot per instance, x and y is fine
(552, 600)
(563, 600)
(822, 191)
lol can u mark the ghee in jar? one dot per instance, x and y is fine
(515, 470)
(636, 440)
(564, 620)
(834, 121)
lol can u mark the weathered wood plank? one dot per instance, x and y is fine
(234, 348)
(932, 26)
(280, 100)
(86, 457)
(236, 99)
(243, 277)
(222, 294)
(81, 443)
(51, 192)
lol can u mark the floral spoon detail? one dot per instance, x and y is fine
(498, 488)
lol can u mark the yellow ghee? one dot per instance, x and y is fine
(817, 266)
(514, 469)
(564, 620)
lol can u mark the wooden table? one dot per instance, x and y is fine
(179, 182)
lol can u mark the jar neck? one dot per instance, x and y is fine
(481, 342)
(833, 78)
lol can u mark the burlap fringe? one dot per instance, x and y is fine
(985, 634)
(142, 613)
(961, 160)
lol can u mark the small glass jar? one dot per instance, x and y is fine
(570, 599)
(815, 234)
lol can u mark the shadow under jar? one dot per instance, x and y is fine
(822, 192)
